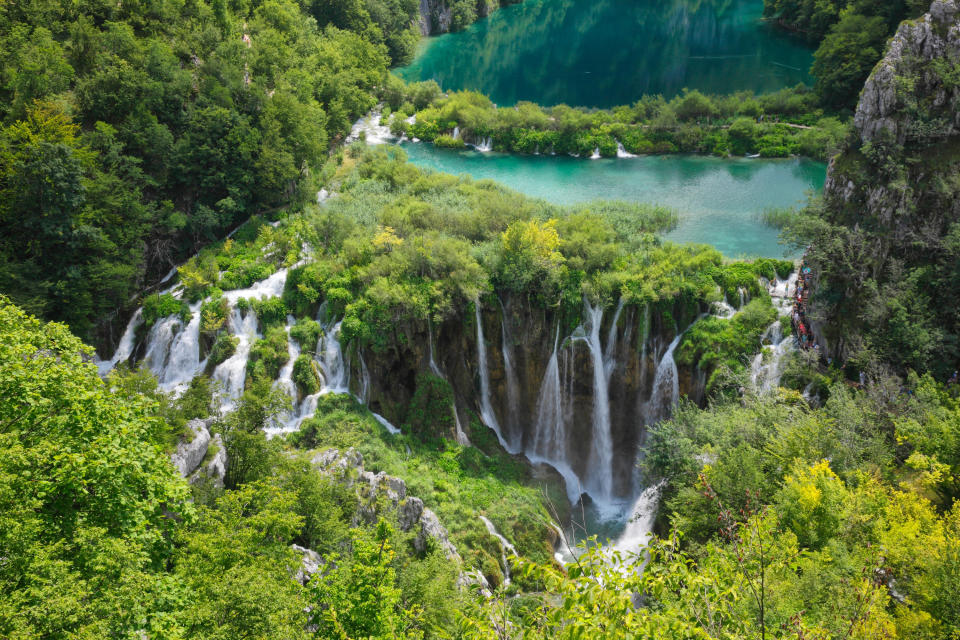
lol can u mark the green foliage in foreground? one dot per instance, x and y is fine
(98, 538)
(773, 125)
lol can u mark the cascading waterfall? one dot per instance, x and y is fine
(636, 535)
(505, 548)
(486, 408)
(623, 153)
(550, 433)
(461, 435)
(335, 368)
(456, 133)
(232, 372)
(765, 376)
(284, 382)
(513, 388)
(158, 344)
(125, 346)
(596, 154)
(665, 392)
(184, 361)
(600, 481)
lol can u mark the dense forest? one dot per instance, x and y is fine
(134, 133)
(297, 434)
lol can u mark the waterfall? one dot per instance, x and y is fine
(364, 397)
(636, 535)
(433, 363)
(124, 347)
(601, 453)
(744, 296)
(386, 423)
(232, 372)
(371, 129)
(550, 435)
(461, 435)
(513, 388)
(623, 153)
(596, 154)
(484, 145)
(285, 383)
(609, 353)
(723, 309)
(486, 409)
(158, 344)
(665, 392)
(456, 133)
(764, 378)
(336, 370)
(505, 548)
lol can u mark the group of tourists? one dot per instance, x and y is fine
(801, 327)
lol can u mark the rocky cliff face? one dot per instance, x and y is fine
(907, 97)
(894, 194)
(439, 16)
(520, 340)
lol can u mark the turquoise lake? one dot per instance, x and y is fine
(719, 200)
(603, 53)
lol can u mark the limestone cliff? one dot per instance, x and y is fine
(892, 198)
(443, 16)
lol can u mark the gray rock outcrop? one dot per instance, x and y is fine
(310, 564)
(884, 101)
(376, 490)
(216, 466)
(190, 453)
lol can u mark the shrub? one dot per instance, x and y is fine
(305, 376)
(268, 355)
(223, 347)
(158, 306)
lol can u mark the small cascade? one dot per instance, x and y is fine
(456, 133)
(461, 435)
(184, 361)
(232, 372)
(505, 548)
(364, 396)
(159, 340)
(284, 382)
(125, 347)
(486, 408)
(665, 392)
(433, 363)
(609, 352)
(371, 129)
(386, 423)
(623, 153)
(600, 482)
(641, 516)
(485, 145)
(513, 388)
(744, 296)
(765, 376)
(723, 309)
(596, 154)
(336, 370)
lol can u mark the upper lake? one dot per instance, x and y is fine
(603, 53)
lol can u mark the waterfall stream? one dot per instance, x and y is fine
(513, 388)
(600, 481)
(486, 408)
(505, 548)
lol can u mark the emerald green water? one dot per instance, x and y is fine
(719, 199)
(601, 53)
